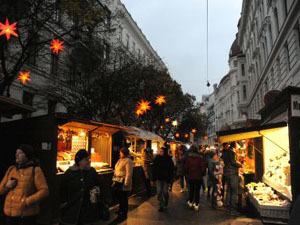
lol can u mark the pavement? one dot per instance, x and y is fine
(144, 211)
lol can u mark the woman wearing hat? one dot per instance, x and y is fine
(79, 189)
(25, 186)
(122, 182)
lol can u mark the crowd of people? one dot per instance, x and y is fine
(214, 170)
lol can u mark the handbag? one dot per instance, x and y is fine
(118, 183)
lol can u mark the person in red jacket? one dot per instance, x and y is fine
(195, 170)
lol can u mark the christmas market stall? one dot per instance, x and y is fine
(56, 139)
(271, 153)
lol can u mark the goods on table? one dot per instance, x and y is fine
(265, 195)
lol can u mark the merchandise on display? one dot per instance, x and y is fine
(265, 195)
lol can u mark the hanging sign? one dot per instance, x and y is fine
(295, 105)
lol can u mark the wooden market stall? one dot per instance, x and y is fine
(274, 146)
(56, 139)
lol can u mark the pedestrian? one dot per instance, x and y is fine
(180, 169)
(79, 193)
(147, 160)
(195, 170)
(25, 187)
(231, 174)
(173, 158)
(163, 168)
(215, 170)
(122, 182)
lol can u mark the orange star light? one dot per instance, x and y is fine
(194, 131)
(56, 46)
(144, 106)
(139, 112)
(24, 77)
(177, 135)
(8, 29)
(167, 120)
(160, 100)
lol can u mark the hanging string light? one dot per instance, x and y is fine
(207, 84)
(8, 29)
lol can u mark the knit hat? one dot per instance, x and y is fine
(28, 151)
(125, 151)
(80, 155)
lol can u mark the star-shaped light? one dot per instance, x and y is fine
(177, 135)
(56, 45)
(175, 123)
(167, 120)
(186, 135)
(139, 112)
(160, 100)
(194, 131)
(144, 106)
(24, 77)
(8, 29)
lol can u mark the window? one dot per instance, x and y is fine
(238, 96)
(27, 100)
(51, 106)
(235, 63)
(106, 51)
(287, 56)
(244, 92)
(276, 21)
(243, 69)
(54, 64)
(127, 41)
(270, 34)
(33, 48)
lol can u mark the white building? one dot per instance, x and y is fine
(127, 35)
(226, 105)
(209, 109)
(269, 36)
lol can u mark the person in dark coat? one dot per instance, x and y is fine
(163, 168)
(147, 160)
(195, 170)
(295, 213)
(180, 172)
(79, 190)
(231, 174)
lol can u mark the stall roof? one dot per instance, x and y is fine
(70, 121)
(10, 107)
(146, 135)
(249, 132)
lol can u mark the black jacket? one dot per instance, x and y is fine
(163, 168)
(75, 196)
(231, 165)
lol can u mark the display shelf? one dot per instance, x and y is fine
(269, 211)
(278, 187)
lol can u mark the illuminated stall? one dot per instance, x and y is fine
(138, 139)
(276, 147)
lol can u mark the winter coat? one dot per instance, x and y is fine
(195, 166)
(180, 167)
(124, 168)
(24, 199)
(75, 196)
(163, 168)
(147, 159)
(231, 165)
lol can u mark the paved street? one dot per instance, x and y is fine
(146, 213)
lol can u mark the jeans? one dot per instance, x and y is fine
(194, 190)
(26, 220)
(232, 191)
(181, 181)
(122, 197)
(214, 183)
(162, 192)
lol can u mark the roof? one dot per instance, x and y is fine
(235, 49)
(10, 107)
(143, 134)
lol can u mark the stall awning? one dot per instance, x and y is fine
(89, 125)
(10, 107)
(249, 132)
(145, 135)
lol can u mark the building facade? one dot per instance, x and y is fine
(269, 37)
(118, 30)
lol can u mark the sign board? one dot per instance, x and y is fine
(295, 105)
